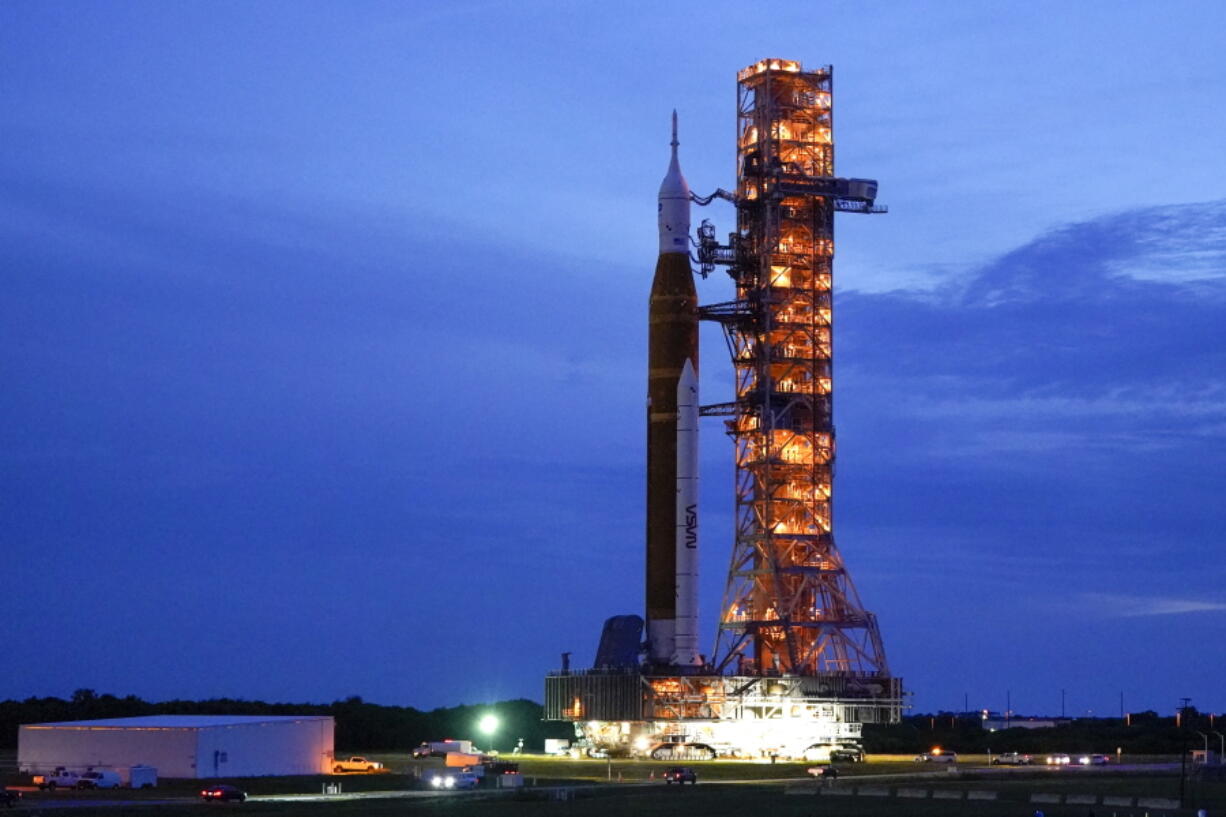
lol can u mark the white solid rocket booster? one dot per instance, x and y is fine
(686, 632)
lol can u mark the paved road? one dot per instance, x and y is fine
(53, 802)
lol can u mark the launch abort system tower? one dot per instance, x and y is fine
(798, 664)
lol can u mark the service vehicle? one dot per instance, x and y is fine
(455, 780)
(102, 779)
(1094, 760)
(681, 775)
(495, 767)
(847, 754)
(61, 778)
(1012, 759)
(142, 777)
(460, 760)
(937, 757)
(557, 746)
(223, 792)
(440, 748)
(1058, 760)
(356, 764)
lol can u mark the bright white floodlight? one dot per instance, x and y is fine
(488, 724)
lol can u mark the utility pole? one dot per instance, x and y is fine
(1183, 749)
(1062, 703)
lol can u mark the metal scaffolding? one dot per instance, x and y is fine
(790, 607)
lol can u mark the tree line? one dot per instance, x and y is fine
(364, 726)
(360, 726)
(1143, 733)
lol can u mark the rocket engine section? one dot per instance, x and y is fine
(672, 435)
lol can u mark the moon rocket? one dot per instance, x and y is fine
(672, 435)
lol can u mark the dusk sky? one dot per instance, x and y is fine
(323, 340)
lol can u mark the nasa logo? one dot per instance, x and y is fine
(691, 526)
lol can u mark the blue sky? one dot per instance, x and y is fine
(324, 334)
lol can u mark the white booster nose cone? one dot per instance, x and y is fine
(674, 205)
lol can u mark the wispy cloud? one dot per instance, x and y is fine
(1113, 605)
(1055, 346)
(1176, 244)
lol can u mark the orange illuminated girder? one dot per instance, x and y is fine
(790, 607)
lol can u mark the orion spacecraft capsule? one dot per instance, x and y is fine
(672, 435)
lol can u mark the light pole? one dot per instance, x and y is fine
(1183, 748)
(1221, 748)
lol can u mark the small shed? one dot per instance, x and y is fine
(193, 746)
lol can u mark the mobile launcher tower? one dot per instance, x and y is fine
(798, 664)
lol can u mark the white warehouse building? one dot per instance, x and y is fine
(184, 745)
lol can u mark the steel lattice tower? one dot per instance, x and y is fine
(790, 606)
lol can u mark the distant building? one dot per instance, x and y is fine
(193, 746)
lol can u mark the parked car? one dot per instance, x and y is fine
(823, 772)
(681, 775)
(1094, 760)
(9, 798)
(223, 792)
(1012, 759)
(1058, 760)
(356, 764)
(105, 779)
(937, 757)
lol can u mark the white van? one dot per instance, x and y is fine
(104, 779)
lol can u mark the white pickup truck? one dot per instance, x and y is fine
(1012, 759)
(356, 764)
(61, 778)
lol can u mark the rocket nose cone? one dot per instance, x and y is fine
(674, 185)
(674, 204)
